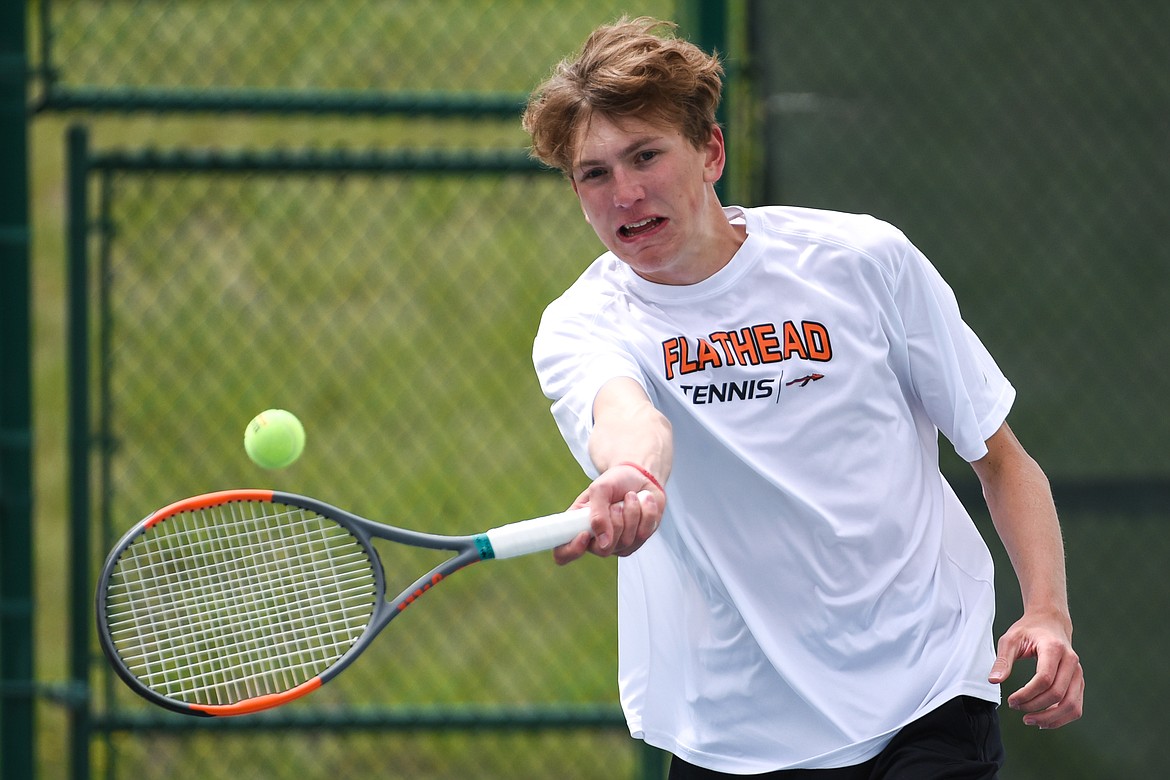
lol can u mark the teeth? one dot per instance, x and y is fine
(642, 224)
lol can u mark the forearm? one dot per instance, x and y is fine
(626, 501)
(627, 428)
(1019, 499)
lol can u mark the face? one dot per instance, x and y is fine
(649, 195)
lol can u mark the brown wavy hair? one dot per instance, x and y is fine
(631, 68)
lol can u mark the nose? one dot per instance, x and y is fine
(627, 190)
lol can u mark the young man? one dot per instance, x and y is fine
(807, 593)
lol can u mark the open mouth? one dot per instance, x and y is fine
(635, 229)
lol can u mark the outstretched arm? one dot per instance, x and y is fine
(632, 448)
(1020, 500)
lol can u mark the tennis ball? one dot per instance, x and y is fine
(274, 439)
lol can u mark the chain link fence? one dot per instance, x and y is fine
(1025, 147)
(374, 255)
(227, 284)
(339, 219)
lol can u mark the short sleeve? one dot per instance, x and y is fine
(960, 386)
(575, 354)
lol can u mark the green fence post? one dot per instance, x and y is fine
(80, 586)
(705, 24)
(17, 683)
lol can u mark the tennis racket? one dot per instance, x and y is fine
(233, 602)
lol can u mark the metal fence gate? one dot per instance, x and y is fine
(329, 207)
(388, 298)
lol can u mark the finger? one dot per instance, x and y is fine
(1055, 672)
(630, 514)
(571, 551)
(651, 516)
(641, 519)
(606, 526)
(1068, 709)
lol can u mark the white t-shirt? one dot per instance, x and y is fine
(815, 583)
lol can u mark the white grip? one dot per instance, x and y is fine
(540, 533)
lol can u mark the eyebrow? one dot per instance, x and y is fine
(625, 151)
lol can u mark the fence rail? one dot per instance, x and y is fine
(475, 105)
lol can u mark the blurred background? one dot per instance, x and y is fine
(212, 208)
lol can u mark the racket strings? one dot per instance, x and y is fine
(235, 601)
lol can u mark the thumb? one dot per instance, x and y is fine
(1002, 668)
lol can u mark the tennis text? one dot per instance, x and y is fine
(748, 390)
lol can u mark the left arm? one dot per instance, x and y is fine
(1020, 501)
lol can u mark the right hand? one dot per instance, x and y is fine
(621, 521)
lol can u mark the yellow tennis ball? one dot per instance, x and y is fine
(274, 439)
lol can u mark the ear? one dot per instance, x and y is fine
(573, 183)
(715, 156)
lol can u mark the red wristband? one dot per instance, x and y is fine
(645, 474)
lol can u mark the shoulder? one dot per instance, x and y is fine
(600, 279)
(859, 235)
(588, 304)
(824, 223)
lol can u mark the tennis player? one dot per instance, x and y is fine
(801, 594)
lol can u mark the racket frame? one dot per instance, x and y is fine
(506, 541)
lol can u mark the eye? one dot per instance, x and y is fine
(590, 173)
(646, 155)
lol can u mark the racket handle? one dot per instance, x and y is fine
(539, 533)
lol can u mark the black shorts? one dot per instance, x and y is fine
(958, 741)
